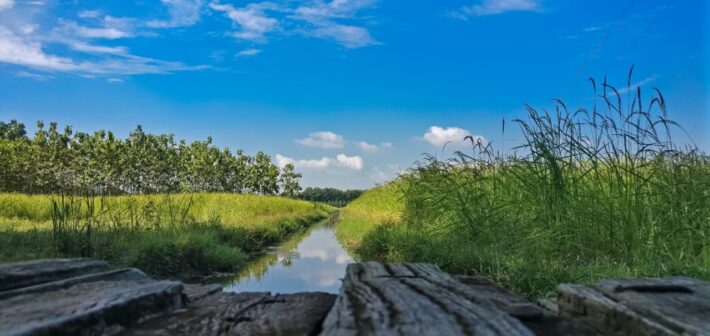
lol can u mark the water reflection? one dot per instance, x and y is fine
(313, 261)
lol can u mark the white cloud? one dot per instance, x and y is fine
(348, 36)
(322, 17)
(379, 175)
(634, 86)
(20, 51)
(89, 14)
(24, 51)
(340, 161)
(248, 52)
(114, 80)
(322, 163)
(371, 148)
(336, 9)
(6, 4)
(493, 7)
(97, 49)
(111, 29)
(252, 21)
(323, 139)
(440, 136)
(182, 13)
(351, 162)
(35, 76)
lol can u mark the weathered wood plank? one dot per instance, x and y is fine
(243, 314)
(413, 299)
(88, 308)
(33, 272)
(195, 292)
(535, 317)
(124, 274)
(680, 304)
(604, 314)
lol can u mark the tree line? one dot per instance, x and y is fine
(330, 196)
(55, 160)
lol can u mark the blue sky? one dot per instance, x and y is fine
(352, 91)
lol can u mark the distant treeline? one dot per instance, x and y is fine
(56, 160)
(330, 196)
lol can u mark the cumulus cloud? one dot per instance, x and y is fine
(351, 162)
(248, 52)
(340, 161)
(252, 22)
(494, 7)
(182, 13)
(323, 139)
(440, 136)
(372, 148)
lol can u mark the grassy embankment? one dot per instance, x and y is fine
(181, 235)
(594, 196)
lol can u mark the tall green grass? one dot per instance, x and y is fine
(182, 235)
(604, 192)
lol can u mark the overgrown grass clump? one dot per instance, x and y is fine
(589, 194)
(182, 235)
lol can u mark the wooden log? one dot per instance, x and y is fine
(679, 304)
(195, 292)
(604, 314)
(243, 314)
(88, 308)
(28, 273)
(538, 319)
(413, 299)
(124, 274)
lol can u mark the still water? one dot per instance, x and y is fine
(312, 261)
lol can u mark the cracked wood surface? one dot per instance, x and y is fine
(646, 306)
(413, 299)
(244, 314)
(33, 272)
(88, 308)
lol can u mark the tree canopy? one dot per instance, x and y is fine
(55, 160)
(330, 196)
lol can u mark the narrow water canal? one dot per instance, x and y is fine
(311, 261)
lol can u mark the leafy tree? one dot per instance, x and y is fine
(12, 130)
(289, 180)
(67, 161)
(330, 196)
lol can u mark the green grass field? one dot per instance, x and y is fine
(590, 195)
(182, 235)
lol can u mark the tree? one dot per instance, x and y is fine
(12, 130)
(71, 161)
(289, 181)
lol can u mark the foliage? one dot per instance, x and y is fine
(55, 161)
(592, 194)
(289, 180)
(182, 235)
(332, 196)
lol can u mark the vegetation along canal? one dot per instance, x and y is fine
(311, 261)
